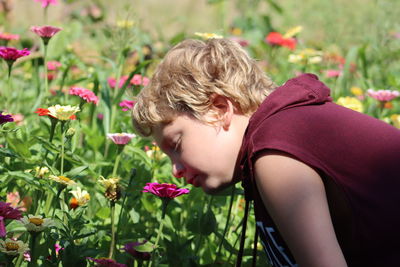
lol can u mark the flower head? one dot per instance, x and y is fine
(138, 79)
(53, 65)
(207, 35)
(243, 42)
(85, 94)
(4, 118)
(113, 189)
(130, 248)
(351, 103)
(112, 81)
(306, 56)
(62, 180)
(36, 223)
(81, 197)
(8, 36)
(275, 38)
(120, 138)
(15, 201)
(45, 32)
(332, 73)
(10, 54)
(62, 112)
(45, 3)
(126, 104)
(7, 212)
(383, 95)
(41, 172)
(105, 262)
(13, 247)
(164, 190)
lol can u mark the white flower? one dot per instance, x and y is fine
(207, 35)
(63, 112)
(37, 223)
(41, 172)
(62, 180)
(81, 196)
(13, 247)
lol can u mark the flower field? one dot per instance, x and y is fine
(80, 188)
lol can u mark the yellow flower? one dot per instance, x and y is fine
(13, 247)
(62, 180)
(396, 120)
(41, 172)
(236, 31)
(82, 196)
(155, 153)
(306, 56)
(125, 23)
(292, 32)
(357, 91)
(36, 223)
(63, 112)
(206, 35)
(351, 103)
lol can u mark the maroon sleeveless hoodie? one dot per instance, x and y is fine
(357, 154)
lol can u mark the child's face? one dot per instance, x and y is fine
(203, 154)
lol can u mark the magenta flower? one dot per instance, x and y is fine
(4, 118)
(53, 65)
(105, 262)
(7, 212)
(127, 104)
(112, 81)
(10, 54)
(243, 42)
(45, 32)
(130, 248)
(85, 94)
(332, 73)
(383, 95)
(164, 190)
(138, 79)
(120, 138)
(46, 3)
(8, 36)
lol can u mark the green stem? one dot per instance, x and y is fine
(62, 148)
(159, 233)
(46, 80)
(112, 245)
(32, 250)
(116, 163)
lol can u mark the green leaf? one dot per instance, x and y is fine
(76, 171)
(5, 152)
(103, 213)
(146, 247)
(134, 215)
(22, 148)
(208, 223)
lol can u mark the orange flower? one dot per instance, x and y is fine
(275, 38)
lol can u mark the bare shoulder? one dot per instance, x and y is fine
(295, 197)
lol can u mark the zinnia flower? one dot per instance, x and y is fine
(11, 54)
(15, 201)
(8, 36)
(138, 79)
(351, 103)
(332, 73)
(112, 81)
(113, 189)
(85, 94)
(53, 65)
(13, 247)
(164, 190)
(7, 212)
(275, 38)
(130, 248)
(36, 223)
(81, 197)
(127, 104)
(4, 118)
(62, 112)
(243, 42)
(62, 180)
(383, 95)
(207, 35)
(120, 138)
(105, 262)
(46, 3)
(45, 32)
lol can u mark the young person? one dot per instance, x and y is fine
(324, 178)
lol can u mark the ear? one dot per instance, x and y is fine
(223, 108)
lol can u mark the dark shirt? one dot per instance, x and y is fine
(357, 156)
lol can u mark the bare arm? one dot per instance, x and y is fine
(294, 195)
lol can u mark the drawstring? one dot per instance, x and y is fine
(243, 237)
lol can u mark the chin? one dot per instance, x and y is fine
(213, 188)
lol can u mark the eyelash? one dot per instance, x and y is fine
(177, 144)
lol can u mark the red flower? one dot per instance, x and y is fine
(7, 212)
(164, 190)
(275, 38)
(12, 54)
(45, 112)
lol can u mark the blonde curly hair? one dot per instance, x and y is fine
(190, 74)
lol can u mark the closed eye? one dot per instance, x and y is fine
(177, 145)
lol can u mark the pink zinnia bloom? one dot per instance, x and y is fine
(164, 190)
(243, 42)
(138, 79)
(7, 212)
(383, 95)
(15, 201)
(85, 94)
(9, 36)
(111, 81)
(332, 73)
(130, 248)
(105, 262)
(127, 104)
(45, 3)
(10, 54)
(120, 138)
(53, 65)
(46, 32)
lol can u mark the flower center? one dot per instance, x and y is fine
(11, 246)
(65, 179)
(36, 221)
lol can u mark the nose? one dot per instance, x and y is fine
(178, 170)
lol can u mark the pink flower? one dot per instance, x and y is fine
(383, 95)
(45, 32)
(164, 190)
(100, 116)
(45, 3)
(104, 262)
(138, 79)
(333, 73)
(120, 138)
(127, 104)
(111, 81)
(53, 65)
(14, 199)
(243, 42)
(85, 94)
(9, 36)
(10, 54)
(130, 248)
(18, 118)
(7, 212)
